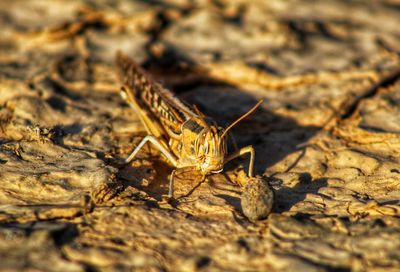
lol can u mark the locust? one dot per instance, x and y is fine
(184, 135)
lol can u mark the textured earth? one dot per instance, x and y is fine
(327, 136)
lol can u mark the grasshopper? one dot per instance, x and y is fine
(185, 136)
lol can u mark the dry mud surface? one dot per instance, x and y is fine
(327, 137)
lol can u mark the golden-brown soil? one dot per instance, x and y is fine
(327, 136)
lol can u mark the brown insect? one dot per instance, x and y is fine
(181, 133)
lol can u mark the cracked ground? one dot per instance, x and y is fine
(327, 136)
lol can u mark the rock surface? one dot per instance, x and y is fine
(327, 135)
(257, 199)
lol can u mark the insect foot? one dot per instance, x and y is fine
(257, 199)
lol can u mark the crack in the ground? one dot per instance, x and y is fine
(384, 82)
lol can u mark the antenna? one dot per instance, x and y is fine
(242, 117)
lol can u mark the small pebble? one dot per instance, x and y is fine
(257, 199)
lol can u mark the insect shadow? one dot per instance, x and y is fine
(61, 233)
(273, 137)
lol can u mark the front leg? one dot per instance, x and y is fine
(171, 185)
(242, 151)
(171, 180)
(161, 147)
(157, 143)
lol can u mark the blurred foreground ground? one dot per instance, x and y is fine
(327, 136)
